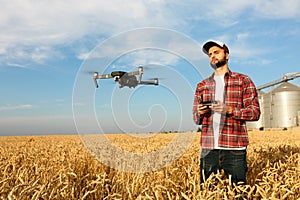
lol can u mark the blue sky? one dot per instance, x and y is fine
(47, 48)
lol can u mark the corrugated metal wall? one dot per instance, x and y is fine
(280, 107)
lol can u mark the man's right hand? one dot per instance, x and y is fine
(203, 109)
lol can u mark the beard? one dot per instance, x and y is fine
(218, 64)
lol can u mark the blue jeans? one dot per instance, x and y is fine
(233, 162)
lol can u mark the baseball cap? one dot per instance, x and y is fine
(211, 43)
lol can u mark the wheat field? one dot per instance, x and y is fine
(60, 167)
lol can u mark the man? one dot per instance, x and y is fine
(224, 136)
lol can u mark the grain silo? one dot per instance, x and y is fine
(281, 106)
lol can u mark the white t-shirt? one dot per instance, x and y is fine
(219, 96)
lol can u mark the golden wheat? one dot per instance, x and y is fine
(60, 167)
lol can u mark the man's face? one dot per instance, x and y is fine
(217, 57)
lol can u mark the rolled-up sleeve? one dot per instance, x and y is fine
(251, 109)
(197, 98)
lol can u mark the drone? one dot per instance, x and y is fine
(129, 79)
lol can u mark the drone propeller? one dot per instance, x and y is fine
(154, 81)
(148, 67)
(87, 72)
(94, 73)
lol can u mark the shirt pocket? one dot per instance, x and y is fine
(207, 94)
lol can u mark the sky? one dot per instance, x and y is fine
(48, 49)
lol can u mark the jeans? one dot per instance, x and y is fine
(233, 162)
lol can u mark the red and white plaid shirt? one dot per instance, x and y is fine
(239, 93)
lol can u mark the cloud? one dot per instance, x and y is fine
(53, 22)
(17, 65)
(34, 31)
(278, 9)
(224, 13)
(16, 107)
(31, 29)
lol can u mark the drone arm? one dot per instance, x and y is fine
(104, 76)
(132, 73)
(97, 76)
(140, 71)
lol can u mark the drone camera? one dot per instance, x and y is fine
(116, 78)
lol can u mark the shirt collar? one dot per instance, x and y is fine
(229, 73)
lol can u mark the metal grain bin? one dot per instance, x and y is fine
(281, 106)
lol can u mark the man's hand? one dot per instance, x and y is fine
(203, 109)
(222, 108)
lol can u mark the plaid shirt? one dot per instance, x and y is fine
(239, 93)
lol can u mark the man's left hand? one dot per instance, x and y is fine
(222, 108)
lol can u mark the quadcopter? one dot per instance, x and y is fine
(128, 79)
